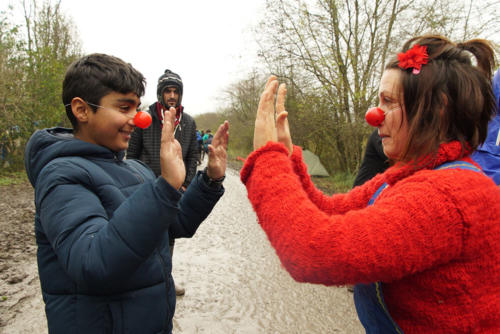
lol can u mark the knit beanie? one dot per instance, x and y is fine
(168, 79)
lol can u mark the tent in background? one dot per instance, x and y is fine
(314, 166)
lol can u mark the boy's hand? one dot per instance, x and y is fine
(217, 152)
(172, 165)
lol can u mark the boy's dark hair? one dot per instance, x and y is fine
(94, 76)
(451, 98)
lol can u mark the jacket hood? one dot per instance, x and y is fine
(49, 144)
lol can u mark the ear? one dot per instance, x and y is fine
(80, 109)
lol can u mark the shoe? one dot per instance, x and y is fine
(179, 291)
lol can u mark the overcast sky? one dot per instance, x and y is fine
(208, 43)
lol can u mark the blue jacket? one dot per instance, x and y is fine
(488, 154)
(102, 225)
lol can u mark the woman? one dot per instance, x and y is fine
(420, 241)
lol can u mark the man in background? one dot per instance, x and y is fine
(145, 143)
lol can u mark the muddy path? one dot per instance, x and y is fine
(233, 279)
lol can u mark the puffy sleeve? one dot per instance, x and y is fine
(339, 240)
(94, 245)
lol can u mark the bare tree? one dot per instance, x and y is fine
(336, 51)
(52, 44)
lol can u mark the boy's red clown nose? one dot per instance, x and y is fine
(374, 116)
(142, 119)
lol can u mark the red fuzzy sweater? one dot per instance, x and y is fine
(431, 237)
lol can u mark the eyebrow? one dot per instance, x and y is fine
(131, 101)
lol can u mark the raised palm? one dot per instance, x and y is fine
(172, 165)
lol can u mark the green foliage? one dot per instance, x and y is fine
(32, 68)
(208, 121)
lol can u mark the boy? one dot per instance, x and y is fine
(102, 223)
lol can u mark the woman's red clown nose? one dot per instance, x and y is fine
(375, 116)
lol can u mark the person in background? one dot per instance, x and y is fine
(102, 222)
(419, 241)
(145, 143)
(374, 160)
(207, 139)
(487, 154)
(199, 139)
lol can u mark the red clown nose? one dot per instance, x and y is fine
(142, 119)
(374, 116)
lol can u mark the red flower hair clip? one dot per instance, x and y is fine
(414, 58)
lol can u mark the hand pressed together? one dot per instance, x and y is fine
(266, 128)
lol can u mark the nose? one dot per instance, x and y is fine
(142, 119)
(374, 116)
(132, 113)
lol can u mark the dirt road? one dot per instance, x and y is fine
(233, 279)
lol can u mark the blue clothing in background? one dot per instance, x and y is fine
(488, 154)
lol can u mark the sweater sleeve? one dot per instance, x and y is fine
(411, 227)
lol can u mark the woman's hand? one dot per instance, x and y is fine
(266, 129)
(217, 152)
(172, 165)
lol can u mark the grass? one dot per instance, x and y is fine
(8, 178)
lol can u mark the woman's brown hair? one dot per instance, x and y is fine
(451, 98)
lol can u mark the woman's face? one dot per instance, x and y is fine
(394, 129)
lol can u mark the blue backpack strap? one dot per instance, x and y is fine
(379, 190)
(459, 165)
(447, 165)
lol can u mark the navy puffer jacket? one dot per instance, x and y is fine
(102, 225)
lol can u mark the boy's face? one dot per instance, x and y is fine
(112, 124)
